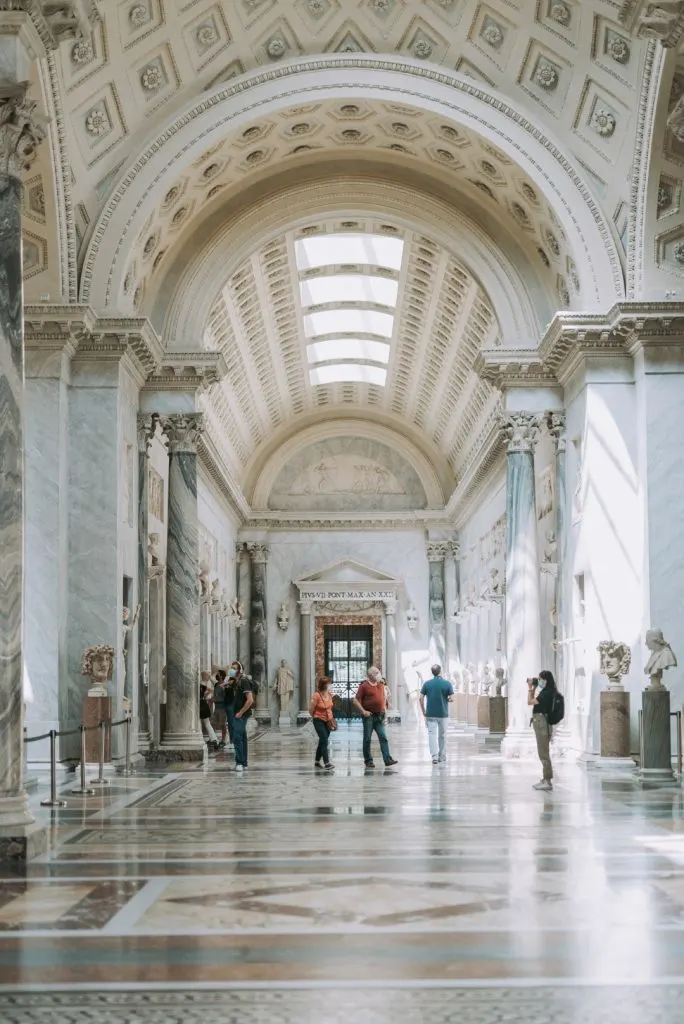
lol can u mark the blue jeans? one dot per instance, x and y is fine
(323, 733)
(240, 741)
(230, 722)
(371, 724)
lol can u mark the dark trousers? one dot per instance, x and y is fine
(323, 735)
(230, 721)
(371, 724)
(240, 741)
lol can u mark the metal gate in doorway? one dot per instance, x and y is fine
(348, 653)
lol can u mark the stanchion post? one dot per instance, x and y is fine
(641, 739)
(83, 791)
(53, 801)
(679, 745)
(100, 780)
(127, 770)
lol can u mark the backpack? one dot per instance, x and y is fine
(557, 712)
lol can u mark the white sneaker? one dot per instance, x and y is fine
(239, 768)
(435, 760)
(544, 784)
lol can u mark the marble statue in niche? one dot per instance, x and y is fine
(97, 662)
(662, 658)
(412, 617)
(203, 581)
(436, 594)
(499, 680)
(347, 473)
(126, 627)
(156, 494)
(283, 686)
(153, 549)
(615, 661)
(216, 593)
(283, 617)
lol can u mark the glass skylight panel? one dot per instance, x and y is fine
(324, 250)
(348, 348)
(350, 372)
(349, 288)
(348, 321)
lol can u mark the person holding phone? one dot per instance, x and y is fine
(541, 692)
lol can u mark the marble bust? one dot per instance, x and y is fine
(616, 658)
(662, 658)
(97, 662)
(411, 617)
(283, 617)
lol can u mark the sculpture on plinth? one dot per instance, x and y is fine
(500, 675)
(662, 658)
(283, 617)
(153, 549)
(616, 658)
(97, 662)
(283, 686)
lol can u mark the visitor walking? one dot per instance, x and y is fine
(435, 695)
(205, 710)
(371, 702)
(218, 718)
(321, 711)
(547, 710)
(243, 699)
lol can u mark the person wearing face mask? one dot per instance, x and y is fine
(547, 710)
(242, 700)
(229, 690)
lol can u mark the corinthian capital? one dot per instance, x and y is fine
(259, 553)
(183, 431)
(555, 423)
(521, 430)
(147, 425)
(21, 132)
(437, 550)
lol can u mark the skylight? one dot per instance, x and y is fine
(348, 317)
(382, 291)
(357, 373)
(327, 250)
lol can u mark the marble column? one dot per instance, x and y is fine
(555, 422)
(450, 596)
(258, 628)
(436, 553)
(20, 135)
(523, 644)
(147, 425)
(243, 596)
(305, 609)
(391, 654)
(182, 737)
(157, 649)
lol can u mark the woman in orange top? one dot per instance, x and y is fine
(321, 711)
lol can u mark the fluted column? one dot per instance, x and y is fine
(555, 422)
(20, 134)
(523, 644)
(147, 425)
(182, 737)
(391, 653)
(436, 553)
(243, 592)
(305, 686)
(258, 627)
(450, 597)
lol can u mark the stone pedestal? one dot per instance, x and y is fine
(471, 718)
(656, 762)
(462, 707)
(483, 713)
(497, 716)
(96, 710)
(284, 722)
(615, 737)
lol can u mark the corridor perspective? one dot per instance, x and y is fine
(449, 892)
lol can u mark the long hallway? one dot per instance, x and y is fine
(442, 893)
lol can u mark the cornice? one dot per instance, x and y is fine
(187, 371)
(363, 521)
(473, 483)
(212, 462)
(511, 368)
(53, 328)
(651, 20)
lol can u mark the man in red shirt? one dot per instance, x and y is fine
(371, 701)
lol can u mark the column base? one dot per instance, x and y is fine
(393, 718)
(657, 777)
(303, 717)
(618, 765)
(263, 716)
(284, 722)
(23, 842)
(179, 747)
(520, 746)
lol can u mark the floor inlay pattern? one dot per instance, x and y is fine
(428, 893)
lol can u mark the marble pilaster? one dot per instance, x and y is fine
(20, 135)
(391, 653)
(182, 737)
(258, 628)
(522, 614)
(305, 640)
(436, 554)
(157, 665)
(147, 425)
(450, 597)
(242, 563)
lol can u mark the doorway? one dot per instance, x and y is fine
(348, 651)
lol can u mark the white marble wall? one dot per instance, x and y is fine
(218, 521)
(605, 542)
(401, 554)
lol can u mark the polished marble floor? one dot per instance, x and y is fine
(431, 893)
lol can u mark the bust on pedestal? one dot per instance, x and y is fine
(616, 658)
(97, 662)
(656, 748)
(283, 687)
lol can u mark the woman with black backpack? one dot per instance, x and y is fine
(547, 711)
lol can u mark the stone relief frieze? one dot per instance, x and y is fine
(156, 494)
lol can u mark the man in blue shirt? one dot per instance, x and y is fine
(435, 695)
